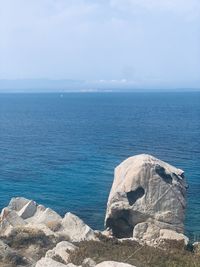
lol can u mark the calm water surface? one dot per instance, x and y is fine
(61, 151)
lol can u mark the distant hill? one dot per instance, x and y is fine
(30, 85)
(69, 85)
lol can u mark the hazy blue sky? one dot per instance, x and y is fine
(143, 42)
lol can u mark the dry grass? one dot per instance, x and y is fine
(22, 241)
(54, 226)
(12, 260)
(133, 253)
(27, 242)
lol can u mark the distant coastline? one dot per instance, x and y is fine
(82, 86)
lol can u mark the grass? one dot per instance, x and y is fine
(20, 238)
(12, 260)
(171, 254)
(174, 255)
(27, 242)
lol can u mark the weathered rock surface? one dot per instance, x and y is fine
(9, 219)
(88, 263)
(35, 230)
(48, 262)
(62, 251)
(23, 212)
(151, 234)
(166, 234)
(17, 203)
(113, 264)
(196, 247)
(73, 227)
(147, 195)
(30, 211)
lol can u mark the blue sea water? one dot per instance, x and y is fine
(62, 150)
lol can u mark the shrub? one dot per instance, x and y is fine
(133, 253)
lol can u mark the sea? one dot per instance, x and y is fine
(61, 149)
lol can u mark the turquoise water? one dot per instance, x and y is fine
(61, 151)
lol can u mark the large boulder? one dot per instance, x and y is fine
(31, 212)
(147, 195)
(24, 212)
(75, 229)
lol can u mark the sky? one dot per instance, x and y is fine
(142, 43)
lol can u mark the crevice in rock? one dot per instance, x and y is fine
(162, 173)
(120, 225)
(133, 196)
(123, 222)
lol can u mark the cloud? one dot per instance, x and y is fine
(181, 7)
(138, 40)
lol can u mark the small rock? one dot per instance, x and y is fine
(166, 234)
(61, 250)
(28, 210)
(146, 232)
(88, 263)
(48, 262)
(107, 233)
(196, 247)
(113, 264)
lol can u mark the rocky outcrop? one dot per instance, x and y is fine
(148, 197)
(35, 230)
(146, 205)
(26, 213)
